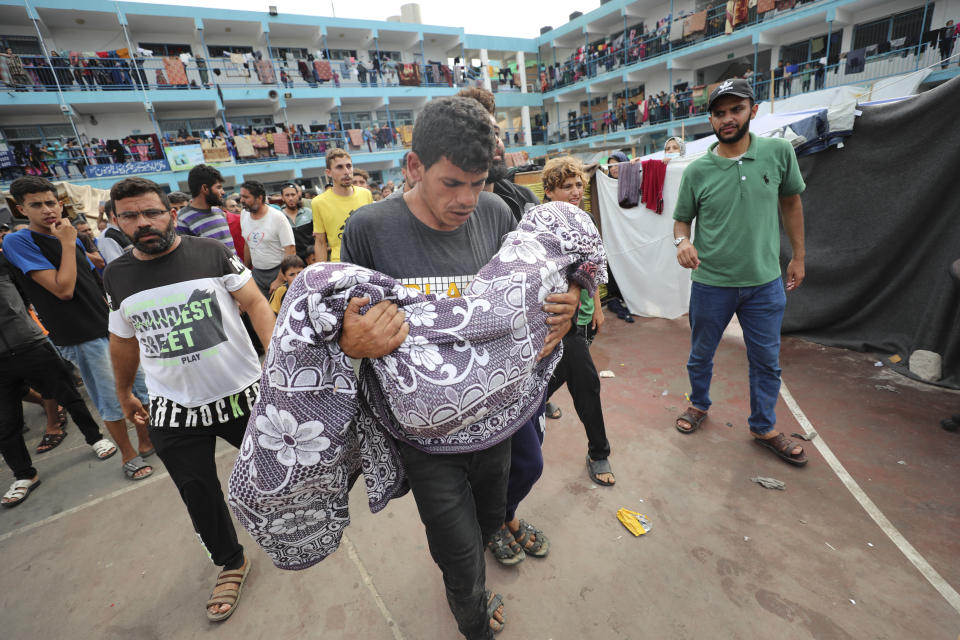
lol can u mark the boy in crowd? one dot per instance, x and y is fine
(290, 268)
(54, 272)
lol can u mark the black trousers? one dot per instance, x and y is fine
(461, 499)
(577, 371)
(188, 454)
(40, 367)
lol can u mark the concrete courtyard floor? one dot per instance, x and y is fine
(92, 555)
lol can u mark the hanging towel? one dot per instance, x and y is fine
(765, 5)
(628, 185)
(356, 137)
(236, 58)
(323, 70)
(651, 188)
(244, 147)
(176, 74)
(280, 144)
(461, 383)
(265, 72)
(856, 61)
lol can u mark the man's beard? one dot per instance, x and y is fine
(736, 136)
(163, 241)
(498, 171)
(213, 199)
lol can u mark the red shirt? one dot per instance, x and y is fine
(233, 221)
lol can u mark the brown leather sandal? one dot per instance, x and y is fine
(692, 416)
(228, 596)
(782, 446)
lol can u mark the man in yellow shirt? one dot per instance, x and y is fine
(332, 207)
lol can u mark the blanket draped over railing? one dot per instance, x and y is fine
(463, 380)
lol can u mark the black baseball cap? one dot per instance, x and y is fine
(733, 87)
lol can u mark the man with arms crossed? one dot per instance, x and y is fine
(444, 230)
(332, 207)
(734, 192)
(173, 303)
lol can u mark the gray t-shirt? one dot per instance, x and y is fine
(387, 237)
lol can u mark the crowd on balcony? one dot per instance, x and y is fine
(68, 157)
(121, 69)
(642, 41)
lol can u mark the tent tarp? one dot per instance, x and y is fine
(881, 219)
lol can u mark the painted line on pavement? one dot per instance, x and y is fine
(372, 588)
(918, 561)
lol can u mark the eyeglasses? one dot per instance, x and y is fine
(149, 214)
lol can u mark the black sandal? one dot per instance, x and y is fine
(50, 441)
(553, 411)
(505, 548)
(538, 548)
(494, 602)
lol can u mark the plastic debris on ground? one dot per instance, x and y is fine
(894, 358)
(606, 373)
(886, 387)
(901, 462)
(878, 364)
(769, 483)
(664, 392)
(830, 545)
(636, 523)
(805, 436)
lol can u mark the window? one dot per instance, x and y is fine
(909, 25)
(342, 54)
(218, 50)
(356, 119)
(811, 49)
(251, 121)
(398, 117)
(38, 133)
(281, 53)
(160, 49)
(22, 45)
(192, 126)
(393, 55)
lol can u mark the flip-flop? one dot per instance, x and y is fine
(131, 466)
(51, 441)
(692, 416)
(596, 467)
(148, 453)
(782, 446)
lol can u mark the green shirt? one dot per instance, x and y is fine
(585, 315)
(736, 204)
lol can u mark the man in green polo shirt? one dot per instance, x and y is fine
(734, 192)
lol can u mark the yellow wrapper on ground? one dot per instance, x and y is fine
(636, 523)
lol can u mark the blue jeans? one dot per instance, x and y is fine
(760, 311)
(93, 359)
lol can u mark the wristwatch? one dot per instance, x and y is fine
(677, 241)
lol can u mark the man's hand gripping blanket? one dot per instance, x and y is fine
(465, 379)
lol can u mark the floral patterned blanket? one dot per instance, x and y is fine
(462, 381)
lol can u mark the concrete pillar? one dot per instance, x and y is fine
(485, 69)
(525, 110)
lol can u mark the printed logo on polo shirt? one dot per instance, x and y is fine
(178, 327)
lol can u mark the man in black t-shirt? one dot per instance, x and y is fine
(174, 309)
(438, 235)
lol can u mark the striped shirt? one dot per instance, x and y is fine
(205, 223)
